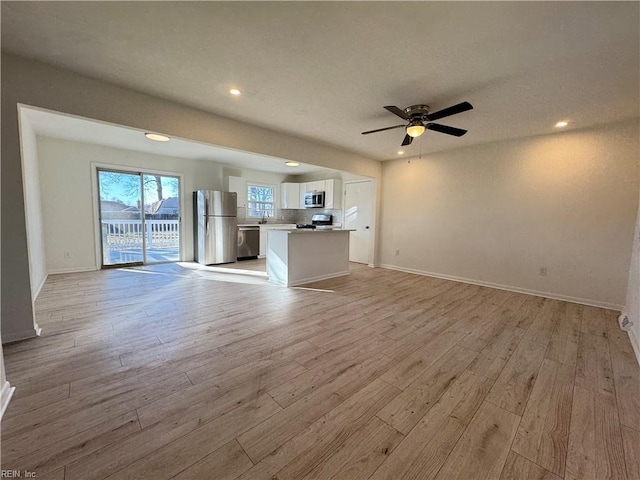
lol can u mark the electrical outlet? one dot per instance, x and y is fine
(624, 322)
(543, 271)
(397, 253)
(67, 255)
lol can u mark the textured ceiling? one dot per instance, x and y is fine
(324, 70)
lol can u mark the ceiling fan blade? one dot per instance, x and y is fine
(407, 140)
(436, 127)
(459, 108)
(382, 129)
(396, 111)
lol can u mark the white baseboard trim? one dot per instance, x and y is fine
(72, 270)
(635, 344)
(23, 335)
(537, 293)
(37, 290)
(5, 397)
(304, 281)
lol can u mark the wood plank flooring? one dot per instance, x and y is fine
(178, 372)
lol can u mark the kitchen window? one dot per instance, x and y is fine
(261, 200)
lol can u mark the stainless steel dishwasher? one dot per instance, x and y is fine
(248, 242)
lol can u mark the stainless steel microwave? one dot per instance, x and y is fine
(314, 199)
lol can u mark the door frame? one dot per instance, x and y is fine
(95, 193)
(374, 215)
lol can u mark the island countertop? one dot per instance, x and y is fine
(316, 230)
(291, 227)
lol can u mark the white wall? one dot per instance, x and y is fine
(6, 391)
(33, 83)
(253, 176)
(326, 175)
(632, 308)
(17, 293)
(67, 186)
(496, 213)
(67, 170)
(33, 208)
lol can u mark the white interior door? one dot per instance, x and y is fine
(358, 214)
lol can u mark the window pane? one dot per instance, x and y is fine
(121, 217)
(258, 209)
(162, 214)
(257, 193)
(261, 201)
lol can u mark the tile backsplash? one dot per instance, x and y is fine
(293, 215)
(304, 215)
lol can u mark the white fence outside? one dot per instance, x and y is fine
(123, 234)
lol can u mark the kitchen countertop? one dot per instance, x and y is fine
(291, 226)
(316, 230)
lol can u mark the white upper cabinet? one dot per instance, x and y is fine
(333, 194)
(238, 185)
(290, 195)
(317, 186)
(303, 190)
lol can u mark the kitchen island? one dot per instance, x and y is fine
(300, 256)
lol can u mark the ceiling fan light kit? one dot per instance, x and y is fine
(420, 120)
(415, 129)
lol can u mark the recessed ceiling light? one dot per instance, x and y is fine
(157, 137)
(561, 124)
(400, 152)
(234, 91)
(292, 164)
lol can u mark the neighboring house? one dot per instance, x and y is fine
(112, 206)
(116, 210)
(168, 207)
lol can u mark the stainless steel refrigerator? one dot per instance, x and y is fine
(215, 226)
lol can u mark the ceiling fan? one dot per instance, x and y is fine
(420, 120)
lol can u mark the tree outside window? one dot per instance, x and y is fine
(126, 187)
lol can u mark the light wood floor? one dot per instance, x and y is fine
(173, 372)
(258, 264)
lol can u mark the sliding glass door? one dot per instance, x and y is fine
(139, 218)
(162, 218)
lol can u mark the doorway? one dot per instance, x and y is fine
(139, 218)
(358, 215)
